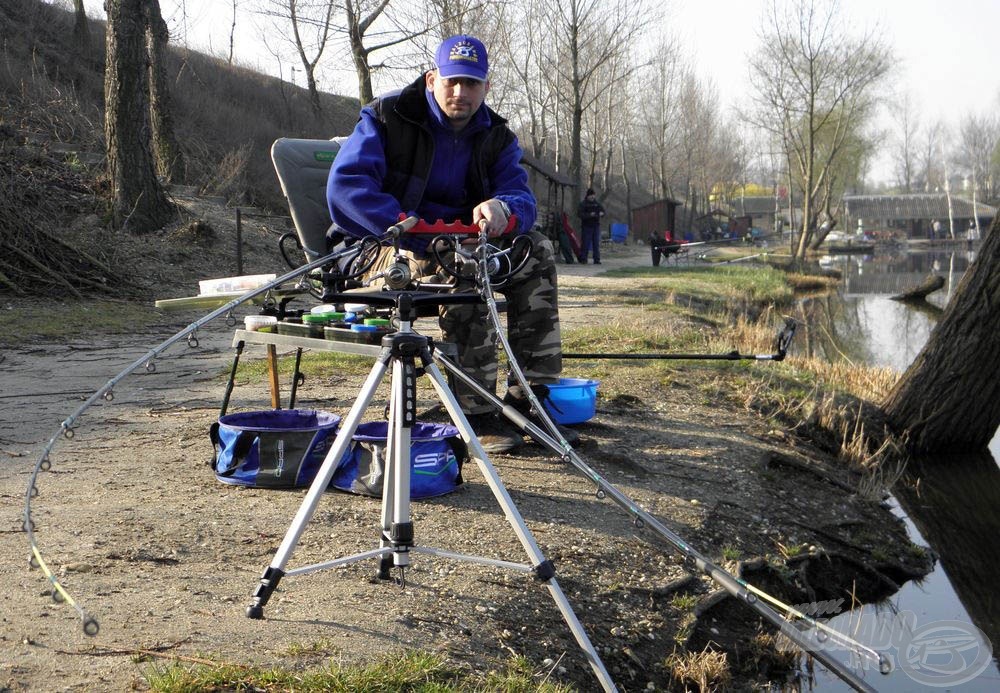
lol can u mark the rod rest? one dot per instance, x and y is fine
(408, 303)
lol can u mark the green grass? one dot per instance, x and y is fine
(26, 321)
(684, 602)
(418, 672)
(318, 364)
(730, 284)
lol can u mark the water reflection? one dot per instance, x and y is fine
(861, 324)
(952, 504)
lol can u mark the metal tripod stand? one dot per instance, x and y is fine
(401, 351)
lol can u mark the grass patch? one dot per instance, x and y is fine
(707, 670)
(730, 553)
(684, 602)
(730, 285)
(412, 671)
(24, 321)
(318, 364)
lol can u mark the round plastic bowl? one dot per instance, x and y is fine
(572, 401)
(259, 323)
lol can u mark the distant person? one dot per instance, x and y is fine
(591, 212)
(935, 229)
(662, 245)
(971, 234)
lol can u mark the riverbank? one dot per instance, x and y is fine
(148, 541)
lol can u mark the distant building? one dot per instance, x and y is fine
(913, 214)
(760, 211)
(655, 218)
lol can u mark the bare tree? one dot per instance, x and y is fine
(978, 137)
(904, 143)
(137, 200)
(232, 33)
(525, 57)
(821, 82)
(928, 157)
(659, 122)
(166, 150)
(311, 24)
(586, 35)
(81, 29)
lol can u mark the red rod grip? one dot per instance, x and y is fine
(440, 227)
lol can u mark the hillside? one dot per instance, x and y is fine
(52, 144)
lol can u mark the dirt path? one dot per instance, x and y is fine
(166, 558)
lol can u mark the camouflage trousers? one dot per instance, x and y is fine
(532, 319)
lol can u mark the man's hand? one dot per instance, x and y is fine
(494, 214)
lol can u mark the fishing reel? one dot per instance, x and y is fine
(461, 251)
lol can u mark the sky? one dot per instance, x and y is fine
(947, 62)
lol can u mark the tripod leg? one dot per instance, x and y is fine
(397, 527)
(544, 568)
(276, 570)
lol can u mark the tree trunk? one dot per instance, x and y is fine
(81, 30)
(137, 200)
(166, 151)
(949, 398)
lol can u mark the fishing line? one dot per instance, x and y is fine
(734, 586)
(106, 392)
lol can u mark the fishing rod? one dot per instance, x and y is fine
(782, 342)
(106, 392)
(735, 586)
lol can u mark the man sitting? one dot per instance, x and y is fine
(435, 150)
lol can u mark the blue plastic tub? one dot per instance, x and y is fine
(572, 401)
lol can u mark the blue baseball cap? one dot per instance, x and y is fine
(462, 56)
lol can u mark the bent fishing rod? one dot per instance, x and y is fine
(782, 342)
(106, 392)
(735, 586)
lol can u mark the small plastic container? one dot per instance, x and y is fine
(359, 334)
(260, 323)
(377, 322)
(298, 329)
(226, 285)
(572, 400)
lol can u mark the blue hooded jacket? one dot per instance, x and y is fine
(427, 169)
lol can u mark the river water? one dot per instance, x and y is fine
(935, 632)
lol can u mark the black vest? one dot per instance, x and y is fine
(409, 148)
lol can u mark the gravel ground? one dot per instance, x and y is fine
(146, 540)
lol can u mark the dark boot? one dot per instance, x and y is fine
(495, 433)
(523, 405)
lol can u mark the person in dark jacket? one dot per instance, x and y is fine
(591, 212)
(435, 150)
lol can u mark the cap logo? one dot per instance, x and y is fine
(463, 50)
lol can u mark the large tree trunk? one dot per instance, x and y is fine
(949, 398)
(166, 151)
(137, 200)
(81, 30)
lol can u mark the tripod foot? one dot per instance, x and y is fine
(268, 582)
